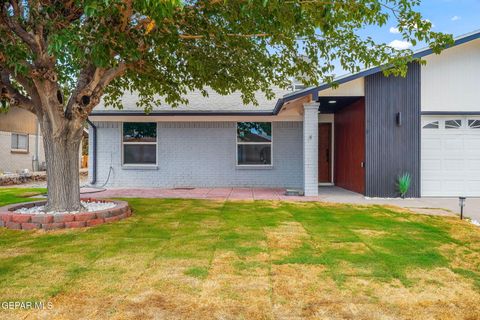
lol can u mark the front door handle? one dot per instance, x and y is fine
(327, 154)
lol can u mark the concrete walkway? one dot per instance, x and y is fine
(437, 206)
(426, 205)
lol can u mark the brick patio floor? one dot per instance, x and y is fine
(201, 193)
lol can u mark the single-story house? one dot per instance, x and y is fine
(21, 145)
(359, 136)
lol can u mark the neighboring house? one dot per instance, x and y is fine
(360, 136)
(21, 146)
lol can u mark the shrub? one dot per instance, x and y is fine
(403, 184)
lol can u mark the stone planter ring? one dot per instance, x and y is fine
(11, 219)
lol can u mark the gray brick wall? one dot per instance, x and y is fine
(200, 154)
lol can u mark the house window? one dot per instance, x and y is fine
(474, 124)
(453, 124)
(19, 142)
(254, 143)
(139, 143)
(431, 125)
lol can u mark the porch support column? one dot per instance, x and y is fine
(310, 148)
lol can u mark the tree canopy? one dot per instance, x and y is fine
(58, 59)
(165, 48)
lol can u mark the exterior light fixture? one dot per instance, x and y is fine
(461, 203)
(399, 119)
(332, 101)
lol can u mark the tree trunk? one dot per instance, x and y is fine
(62, 158)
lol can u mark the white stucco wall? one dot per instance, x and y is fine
(352, 88)
(451, 80)
(13, 162)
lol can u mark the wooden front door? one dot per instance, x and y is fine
(324, 152)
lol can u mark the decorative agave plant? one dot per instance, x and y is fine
(403, 184)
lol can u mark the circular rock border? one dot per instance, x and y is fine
(27, 221)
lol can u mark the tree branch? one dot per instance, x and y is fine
(255, 35)
(9, 93)
(14, 25)
(91, 83)
(108, 77)
(87, 80)
(127, 12)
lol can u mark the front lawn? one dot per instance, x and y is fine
(199, 259)
(16, 195)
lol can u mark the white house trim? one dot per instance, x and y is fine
(310, 148)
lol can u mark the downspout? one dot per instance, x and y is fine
(94, 152)
(36, 159)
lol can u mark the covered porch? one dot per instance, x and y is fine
(334, 144)
(333, 137)
(341, 142)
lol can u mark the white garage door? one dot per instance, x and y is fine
(450, 156)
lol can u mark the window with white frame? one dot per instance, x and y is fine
(139, 143)
(19, 142)
(254, 143)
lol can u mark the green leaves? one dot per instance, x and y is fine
(172, 46)
(90, 8)
(403, 183)
(3, 105)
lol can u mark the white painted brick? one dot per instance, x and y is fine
(310, 149)
(200, 154)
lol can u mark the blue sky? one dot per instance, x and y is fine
(456, 17)
(452, 16)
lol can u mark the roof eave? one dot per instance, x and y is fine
(295, 95)
(182, 113)
(419, 54)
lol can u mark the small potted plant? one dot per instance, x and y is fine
(403, 184)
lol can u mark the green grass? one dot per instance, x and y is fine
(403, 245)
(16, 195)
(193, 236)
(197, 272)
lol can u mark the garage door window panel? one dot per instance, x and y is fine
(432, 125)
(474, 124)
(453, 124)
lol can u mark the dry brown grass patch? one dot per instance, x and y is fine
(353, 247)
(285, 238)
(437, 294)
(212, 224)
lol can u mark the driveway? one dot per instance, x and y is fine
(428, 205)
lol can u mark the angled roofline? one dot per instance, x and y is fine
(367, 72)
(457, 41)
(181, 113)
(291, 96)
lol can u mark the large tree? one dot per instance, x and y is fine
(59, 58)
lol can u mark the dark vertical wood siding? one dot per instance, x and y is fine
(350, 147)
(392, 149)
